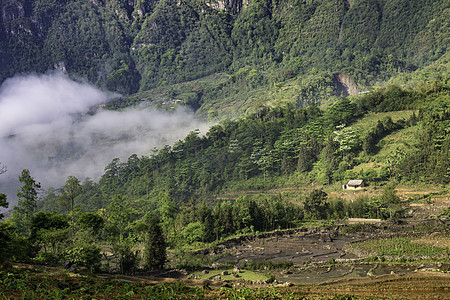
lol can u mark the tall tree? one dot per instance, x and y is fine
(155, 247)
(26, 207)
(71, 190)
(27, 194)
(316, 205)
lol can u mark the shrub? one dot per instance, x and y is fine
(88, 256)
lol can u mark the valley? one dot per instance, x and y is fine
(211, 149)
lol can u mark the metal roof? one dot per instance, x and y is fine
(355, 182)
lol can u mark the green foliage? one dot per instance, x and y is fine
(126, 257)
(400, 247)
(50, 229)
(347, 138)
(27, 203)
(12, 246)
(430, 161)
(155, 246)
(91, 221)
(316, 205)
(27, 194)
(193, 232)
(88, 256)
(446, 212)
(131, 46)
(6, 238)
(71, 189)
(389, 195)
(196, 186)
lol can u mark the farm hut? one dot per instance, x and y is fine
(353, 184)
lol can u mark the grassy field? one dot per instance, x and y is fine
(405, 247)
(242, 275)
(370, 120)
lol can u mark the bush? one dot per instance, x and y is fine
(88, 256)
(48, 257)
(6, 239)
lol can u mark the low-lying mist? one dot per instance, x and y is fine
(47, 126)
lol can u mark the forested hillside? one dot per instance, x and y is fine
(130, 46)
(320, 146)
(304, 94)
(175, 193)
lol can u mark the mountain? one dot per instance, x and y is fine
(322, 47)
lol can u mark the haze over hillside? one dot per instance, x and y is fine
(219, 58)
(50, 125)
(328, 160)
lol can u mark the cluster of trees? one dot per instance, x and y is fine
(79, 237)
(123, 226)
(171, 197)
(130, 45)
(274, 143)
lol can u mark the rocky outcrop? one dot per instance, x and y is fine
(235, 6)
(345, 85)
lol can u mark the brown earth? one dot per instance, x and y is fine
(415, 285)
(314, 251)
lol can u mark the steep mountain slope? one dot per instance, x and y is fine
(128, 46)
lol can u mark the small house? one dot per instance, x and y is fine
(353, 185)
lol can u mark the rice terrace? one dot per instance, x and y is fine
(225, 149)
(349, 259)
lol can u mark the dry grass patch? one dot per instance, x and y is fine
(434, 240)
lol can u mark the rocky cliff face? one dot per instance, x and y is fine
(232, 5)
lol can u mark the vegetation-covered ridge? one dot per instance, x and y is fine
(317, 45)
(183, 194)
(391, 134)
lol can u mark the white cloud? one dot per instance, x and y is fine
(44, 127)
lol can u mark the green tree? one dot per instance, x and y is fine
(6, 232)
(91, 221)
(316, 205)
(118, 218)
(71, 189)
(49, 229)
(6, 241)
(27, 196)
(390, 200)
(155, 246)
(167, 210)
(347, 138)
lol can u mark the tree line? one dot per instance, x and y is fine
(140, 207)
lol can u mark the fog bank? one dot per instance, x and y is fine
(45, 127)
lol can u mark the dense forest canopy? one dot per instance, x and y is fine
(130, 46)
